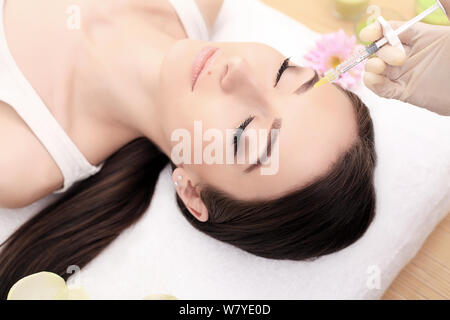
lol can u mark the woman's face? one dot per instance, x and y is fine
(243, 86)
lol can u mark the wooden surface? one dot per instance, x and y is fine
(427, 276)
(318, 14)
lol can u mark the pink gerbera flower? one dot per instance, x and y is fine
(331, 50)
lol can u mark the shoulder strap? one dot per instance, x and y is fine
(21, 96)
(192, 19)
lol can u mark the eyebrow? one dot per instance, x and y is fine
(276, 125)
(308, 84)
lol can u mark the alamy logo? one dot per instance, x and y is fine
(74, 17)
(213, 147)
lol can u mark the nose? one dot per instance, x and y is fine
(239, 78)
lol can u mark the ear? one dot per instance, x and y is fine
(189, 194)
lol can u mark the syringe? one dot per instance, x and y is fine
(333, 74)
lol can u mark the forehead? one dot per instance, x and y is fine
(317, 127)
(322, 128)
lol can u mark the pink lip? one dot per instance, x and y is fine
(200, 63)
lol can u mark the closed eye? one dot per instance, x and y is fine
(284, 66)
(238, 133)
(305, 86)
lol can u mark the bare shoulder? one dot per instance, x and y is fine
(27, 171)
(210, 10)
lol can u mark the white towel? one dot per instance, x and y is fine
(162, 253)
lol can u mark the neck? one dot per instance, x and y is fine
(121, 79)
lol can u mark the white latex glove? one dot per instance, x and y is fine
(421, 76)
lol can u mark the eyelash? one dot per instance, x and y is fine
(239, 132)
(283, 68)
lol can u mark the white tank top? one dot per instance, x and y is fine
(16, 91)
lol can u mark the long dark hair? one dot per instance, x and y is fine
(323, 217)
(326, 216)
(86, 219)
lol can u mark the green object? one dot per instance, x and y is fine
(372, 13)
(350, 9)
(359, 26)
(437, 17)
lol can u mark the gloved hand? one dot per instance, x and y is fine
(421, 76)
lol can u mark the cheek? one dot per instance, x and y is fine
(214, 111)
(220, 176)
(206, 125)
